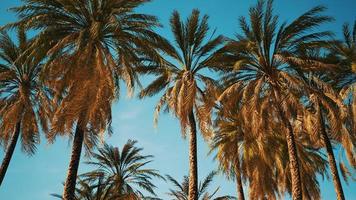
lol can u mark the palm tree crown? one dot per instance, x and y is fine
(343, 52)
(91, 45)
(90, 190)
(181, 189)
(24, 101)
(179, 71)
(260, 159)
(123, 172)
(23, 97)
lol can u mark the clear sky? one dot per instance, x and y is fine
(36, 177)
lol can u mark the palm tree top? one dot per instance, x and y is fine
(181, 189)
(343, 52)
(190, 39)
(123, 170)
(265, 45)
(180, 66)
(91, 46)
(23, 98)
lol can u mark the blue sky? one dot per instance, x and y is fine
(35, 177)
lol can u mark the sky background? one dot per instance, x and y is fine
(36, 177)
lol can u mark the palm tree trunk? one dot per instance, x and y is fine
(292, 152)
(239, 188)
(69, 187)
(193, 163)
(333, 169)
(9, 152)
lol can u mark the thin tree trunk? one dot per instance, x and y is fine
(292, 152)
(333, 169)
(69, 187)
(193, 163)
(239, 188)
(9, 152)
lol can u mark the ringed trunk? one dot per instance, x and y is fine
(69, 186)
(9, 152)
(239, 188)
(292, 152)
(331, 158)
(193, 163)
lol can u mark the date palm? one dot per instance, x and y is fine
(324, 121)
(262, 156)
(328, 117)
(98, 190)
(90, 190)
(182, 189)
(123, 172)
(23, 98)
(91, 44)
(322, 117)
(180, 75)
(258, 66)
(343, 52)
(226, 142)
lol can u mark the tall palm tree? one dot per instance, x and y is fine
(123, 172)
(182, 189)
(180, 75)
(228, 155)
(262, 156)
(257, 59)
(23, 99)
(225, 141)
(329, 110)
(326, 113)
(91, 45)
(228, 152)
(344, 54)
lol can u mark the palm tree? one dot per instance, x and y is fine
(326, 112)
(321, 113)
(182, 189)
(123, 172)
(258, 59)
(23, 99)
(99, 190)
(226, 139)
(343, 52)
(180, 76)
(329, 109)
(262, 156)
(228, 155)
(91, 44)
(89, 191)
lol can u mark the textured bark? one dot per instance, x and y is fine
(193, 163)
(239, 188)
(332, 163)
(69, 187)
(292, 152)
(9, 152)
(294, 165)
